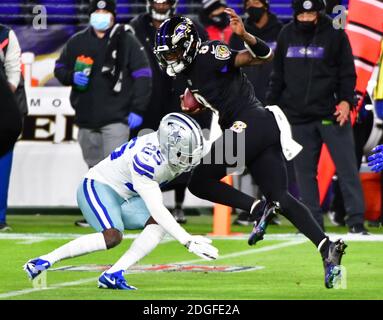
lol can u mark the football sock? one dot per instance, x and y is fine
(178, 205)
(180, 191)
(255, 206)
(148, 239)
(77, 247)
(300, 216)
(323, 247)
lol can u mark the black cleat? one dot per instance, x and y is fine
(179, 215)
(269, 213)
(243, 219)
(82, 223)
(4, 227)
(331, 264)
(358, 229)
(374, 224)
(336, 219)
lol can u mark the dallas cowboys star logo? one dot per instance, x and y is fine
(176, 136)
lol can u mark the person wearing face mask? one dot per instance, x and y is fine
(215, 20)
(313, 81)
(265, 25)
(111, 96)
(166, 91)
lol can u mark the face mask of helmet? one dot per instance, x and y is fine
(174, 62)
(255, 14)
(184, 161)
(181, 141)
(161, 16)
(221, 20)
(171, 61)
(100, 21)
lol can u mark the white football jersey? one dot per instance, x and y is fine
(141, 155)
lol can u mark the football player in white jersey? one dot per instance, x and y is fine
(123, 192)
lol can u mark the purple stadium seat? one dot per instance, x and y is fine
(11, 11)
(61, 11)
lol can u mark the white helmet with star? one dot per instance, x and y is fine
(181, 141)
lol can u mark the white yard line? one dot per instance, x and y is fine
(226, 256)
(250, 251)
(49, 236)
(28, 238)
(295, 236)
(56, 286)
(30, 241)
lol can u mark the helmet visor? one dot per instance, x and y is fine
(173, 55)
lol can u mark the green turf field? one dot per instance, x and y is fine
(291, 266)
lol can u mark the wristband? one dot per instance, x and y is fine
(259, 50)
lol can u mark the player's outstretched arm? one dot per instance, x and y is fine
(375, 161)
(150, 192)
(257, 51)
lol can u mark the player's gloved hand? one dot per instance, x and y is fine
(375, 161)
(201, 246)
(134, 120)
(80, 78)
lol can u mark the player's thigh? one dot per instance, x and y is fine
(269, 172)
(113, 136)
(135, 214)
(181, 181)
(90, 142)
(208, 171)
(100, 205)
(215, 163)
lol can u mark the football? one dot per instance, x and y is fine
(189, 103)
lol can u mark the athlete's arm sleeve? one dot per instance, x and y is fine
(236, 43)
(150, 192)
(12, 61)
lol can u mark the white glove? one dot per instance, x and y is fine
(200, 246)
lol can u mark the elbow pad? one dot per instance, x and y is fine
(259, 50)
